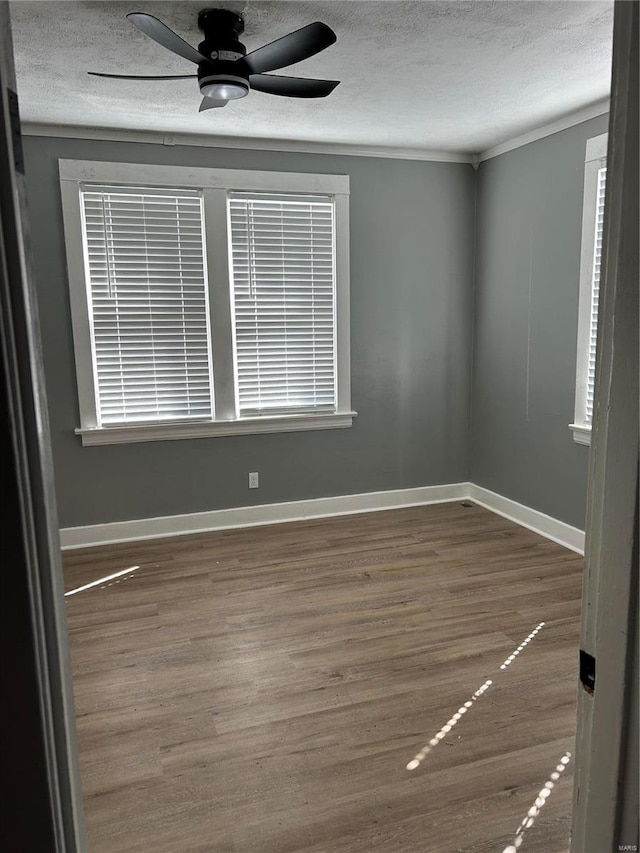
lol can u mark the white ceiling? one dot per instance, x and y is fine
(452, 76)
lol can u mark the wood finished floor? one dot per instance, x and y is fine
(262, 690)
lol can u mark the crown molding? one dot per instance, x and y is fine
(153, 137)
(246, 143)
(592, 111)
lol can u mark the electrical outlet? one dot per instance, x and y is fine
(254, 482)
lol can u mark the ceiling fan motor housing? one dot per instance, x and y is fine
(221, 30)
(221, 77)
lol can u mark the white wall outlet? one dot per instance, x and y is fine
(254, 481)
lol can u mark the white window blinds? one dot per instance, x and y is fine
(147, 299)
(283, 272)
(595, 293)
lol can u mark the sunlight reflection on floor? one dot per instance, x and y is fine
(419, 758)
(541, 799)
(105, 581)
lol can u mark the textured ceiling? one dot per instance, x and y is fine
(455, 76)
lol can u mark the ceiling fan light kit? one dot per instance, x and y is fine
(226, 71)
(223, 86)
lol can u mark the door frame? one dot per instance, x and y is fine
(42, 800)
(605, 797)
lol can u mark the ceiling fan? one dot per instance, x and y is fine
(225, 70)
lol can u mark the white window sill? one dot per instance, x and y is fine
(206, 429)
(581, 433)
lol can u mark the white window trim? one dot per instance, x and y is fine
(206, 429)
(595, 158)
(215, 183)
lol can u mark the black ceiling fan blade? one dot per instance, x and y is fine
(211, 103)
(161, 33)
(144, 76)
(291, 48)
(293, 87)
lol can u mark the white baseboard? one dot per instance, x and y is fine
(545, 525)
(252, 516)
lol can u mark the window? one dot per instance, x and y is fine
(147, 298)
(206, 301)
(282, 268)
(591, 258)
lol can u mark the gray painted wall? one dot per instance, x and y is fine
(529, 220)
(414, 313)
(411, 284)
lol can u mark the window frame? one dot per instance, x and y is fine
(595, 159)
(215, 184)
